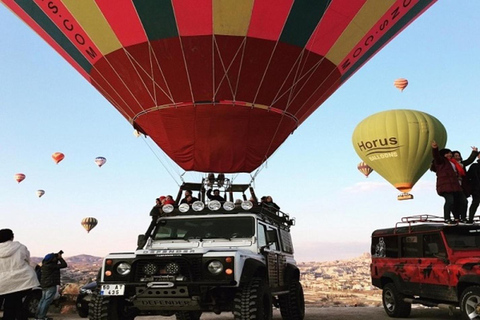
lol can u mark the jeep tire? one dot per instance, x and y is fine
(31, 301)
(188, 315)
(253, 301)
(292, 304)
(108, 308)
(470, 302)
(393, 302)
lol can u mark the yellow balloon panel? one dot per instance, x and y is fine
(397, 144)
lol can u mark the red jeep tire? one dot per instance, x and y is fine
(393, 302)
(470, 303)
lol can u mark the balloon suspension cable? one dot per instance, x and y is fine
(163, 164)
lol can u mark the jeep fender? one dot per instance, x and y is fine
(253, 268)
(467, 281)
(292, 273)
(388, 277)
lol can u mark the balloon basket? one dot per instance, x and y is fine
(405, 196)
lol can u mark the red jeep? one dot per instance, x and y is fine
(424, 261)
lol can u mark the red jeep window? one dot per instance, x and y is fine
(433, 246)
(411, 246)
(463, 238)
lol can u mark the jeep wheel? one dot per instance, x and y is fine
(292, 304)
(393, 302)
(470, 303)
(31, 301)
(188, 315)
(109, 308)
(253, 301)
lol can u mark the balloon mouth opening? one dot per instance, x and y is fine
(403, 187)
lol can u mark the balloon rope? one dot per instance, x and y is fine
(164, 166)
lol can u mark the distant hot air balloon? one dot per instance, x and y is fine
(19, 177)
(57, 157)
(40, 193)
(89, 223)
(100, 161)
(364, 168)
(397, 145)
(400, 83)
(255, 70)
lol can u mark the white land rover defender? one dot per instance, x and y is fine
(213, 257)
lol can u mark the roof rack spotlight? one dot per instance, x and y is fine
(198, 206)
(184, 207)
(168, 208)
(214, 205)
(247, 205)
(405, 196)
(229, 205)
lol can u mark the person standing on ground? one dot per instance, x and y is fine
(50, 278)
(473, 175)
(17, 276)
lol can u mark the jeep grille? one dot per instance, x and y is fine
(190, 267)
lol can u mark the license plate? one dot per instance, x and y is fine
(112, 290)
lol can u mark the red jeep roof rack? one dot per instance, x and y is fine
(422, 218)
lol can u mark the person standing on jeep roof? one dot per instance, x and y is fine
(464, 163)
(189, 198)
(473, 175)
(216, 195)
(448, 186)
(51, 265)
(17, 276)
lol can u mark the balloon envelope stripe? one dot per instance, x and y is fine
(116, 13)
(268, 19)
(302, 21)
(157, 18)
(231, 17)
(338, 16)
(193, 20)
(55, 35)
(391, 32)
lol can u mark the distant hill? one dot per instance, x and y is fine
(82, 259)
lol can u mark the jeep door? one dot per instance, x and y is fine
(433, 267)
(276, 261)
(407, 268)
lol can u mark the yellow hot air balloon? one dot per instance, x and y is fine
(397, 145)
(89, 223)
(400, 83)
(364, 168)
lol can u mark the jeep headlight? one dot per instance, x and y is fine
(198, 206)
(184, 207)
(229, 205)
(247, 205)
(214, 205)
(168, 208)
(124, 268)
(215, 267)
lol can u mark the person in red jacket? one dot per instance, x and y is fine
(448, 172)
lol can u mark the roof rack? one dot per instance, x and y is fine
(422, 218)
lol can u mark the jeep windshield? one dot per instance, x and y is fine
(463, 238)
(205, 228)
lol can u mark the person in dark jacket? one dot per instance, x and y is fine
(448, 186)
(464, 163)
(216, 195)
(50, 278)
(473, 175)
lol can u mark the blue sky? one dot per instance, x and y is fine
(45, 106)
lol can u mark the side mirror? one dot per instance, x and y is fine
(141, 241)
(271, 236)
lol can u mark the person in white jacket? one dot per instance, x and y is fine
(17, 276)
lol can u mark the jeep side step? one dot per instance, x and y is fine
(449, 307)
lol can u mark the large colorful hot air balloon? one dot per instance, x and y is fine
(218, 85)
(100, 161)
(364, 168)
(400, 84)
(397, 145)
(57, 157)
(40, 193)
(89, 223)
(19, 177)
